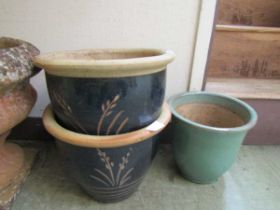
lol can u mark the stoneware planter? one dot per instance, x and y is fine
(207, 132)
(109, 168)
(17, 98)
(106, 92)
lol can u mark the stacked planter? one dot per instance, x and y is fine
(107, 107)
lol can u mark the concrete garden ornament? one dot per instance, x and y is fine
(17, 98)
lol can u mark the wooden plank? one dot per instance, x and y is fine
(260, 29)
(202, 44)
(245, 88)
(245, 54)
(266, 131)
(263, 96)
(249, 12)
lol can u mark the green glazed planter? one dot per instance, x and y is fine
(204, 153)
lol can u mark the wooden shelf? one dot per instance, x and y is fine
(245, 52)
(249, 12)
(245, 88)
(253, 29)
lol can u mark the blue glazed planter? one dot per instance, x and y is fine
(109, 168)
(109, 175)
(106, 106)
(106, 92)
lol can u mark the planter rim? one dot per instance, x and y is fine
(15, 61)
(251, 122)
(13, 43)
(109, 141)
(115, 62)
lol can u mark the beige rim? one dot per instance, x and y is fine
(104, 141)
(105, 62)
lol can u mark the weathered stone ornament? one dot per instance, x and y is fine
(17, 98)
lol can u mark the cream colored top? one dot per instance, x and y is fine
(105, 62)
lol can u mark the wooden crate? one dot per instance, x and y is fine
(245, 52)
(249, 12)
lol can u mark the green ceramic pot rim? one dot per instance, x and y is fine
(106, 63)
(110, 141)
(248, 125)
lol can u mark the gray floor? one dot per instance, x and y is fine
(252, 183)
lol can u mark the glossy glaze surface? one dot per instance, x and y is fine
(109, 168)
(204, 153)
(107, 106)
(109, 175)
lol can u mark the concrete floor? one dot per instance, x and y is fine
(252, 183)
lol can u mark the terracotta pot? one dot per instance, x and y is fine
(207, 132)
(17, 98)
(106, 92)
(109, 168)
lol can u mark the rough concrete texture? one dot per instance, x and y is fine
(252, 183)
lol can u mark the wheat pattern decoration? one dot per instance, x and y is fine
(67, 111)
(107, 110)
(108, 178)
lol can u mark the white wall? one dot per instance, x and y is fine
(75, 24)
